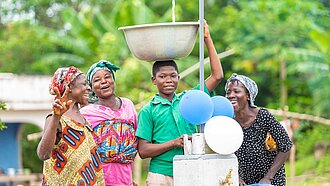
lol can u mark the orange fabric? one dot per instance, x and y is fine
(74, 159)
(270, 143)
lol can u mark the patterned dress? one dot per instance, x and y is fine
(74, 160)
(253, 157)
(114, 133)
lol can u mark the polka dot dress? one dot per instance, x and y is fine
(253, 157)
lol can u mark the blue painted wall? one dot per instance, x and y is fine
(9, 145)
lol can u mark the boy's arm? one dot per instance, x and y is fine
(147, 149)
(216, 69)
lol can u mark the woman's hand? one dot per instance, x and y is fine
(266, 180)
(242, 182)
(61, 103)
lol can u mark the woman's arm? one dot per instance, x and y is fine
(284, 145)
(279, 160)
(52, 124)
(48, 139)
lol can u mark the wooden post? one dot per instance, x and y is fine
(283, 88)
(292, 160)
(292, 155)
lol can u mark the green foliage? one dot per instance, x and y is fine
(2, 107)
(132, 73)
(307, 163)
(309, 172)
(310, 166)
(29, 149)
(323, 164)
(262, 32)
(308, 135)
(22, 45)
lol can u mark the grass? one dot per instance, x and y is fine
(309, 171)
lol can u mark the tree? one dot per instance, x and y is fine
(21, 46)
(263, 33)
(315, 64)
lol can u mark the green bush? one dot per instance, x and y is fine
(307, 138)
(2, 107)
(29, 149)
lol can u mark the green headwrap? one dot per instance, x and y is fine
(102, 64)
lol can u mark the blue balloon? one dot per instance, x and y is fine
(222, 107)
(196, 107)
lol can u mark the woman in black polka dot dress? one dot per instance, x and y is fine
(257, 164)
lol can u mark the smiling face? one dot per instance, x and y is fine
(79, 90)
(166, 79)
(103, 84)
(237, 95)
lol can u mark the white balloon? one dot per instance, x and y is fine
(223, 134)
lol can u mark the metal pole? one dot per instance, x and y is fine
(201, 51)
(201, 44)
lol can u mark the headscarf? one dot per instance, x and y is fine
(102, 64)
(62, 78)
(248, 83)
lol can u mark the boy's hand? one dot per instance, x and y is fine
(206, 30)
(178, 142)
(61, 104)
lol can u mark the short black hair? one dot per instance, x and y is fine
(157, 64)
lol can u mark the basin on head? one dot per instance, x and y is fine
(161, 41)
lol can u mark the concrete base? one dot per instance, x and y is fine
(205, 170)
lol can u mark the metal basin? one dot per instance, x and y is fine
(161, 41)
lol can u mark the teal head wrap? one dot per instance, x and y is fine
(102, 64)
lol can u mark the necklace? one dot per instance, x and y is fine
(116, 104)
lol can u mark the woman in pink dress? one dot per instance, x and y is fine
(114, 122)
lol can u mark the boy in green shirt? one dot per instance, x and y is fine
(161, 126)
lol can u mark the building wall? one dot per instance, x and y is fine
(28, 101)
(10, 147)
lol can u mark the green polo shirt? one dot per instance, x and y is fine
(160, 121)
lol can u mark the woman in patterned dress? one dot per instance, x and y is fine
(114, 122)
(259, 162)
(67, 146)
